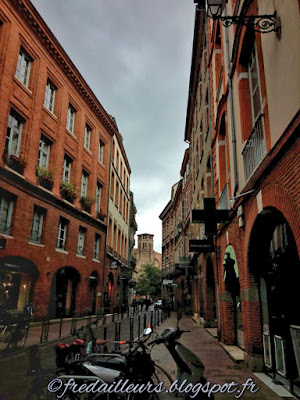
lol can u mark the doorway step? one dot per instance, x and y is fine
(234, 352)
(277, 388)
(212, 331)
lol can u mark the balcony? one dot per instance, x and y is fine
(255, 148)
(224, 199)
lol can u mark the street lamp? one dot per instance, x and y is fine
(260, 23)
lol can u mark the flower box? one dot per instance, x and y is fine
(68, 191)
(87, 202)
(18, 164)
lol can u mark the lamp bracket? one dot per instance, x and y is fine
(260, 23)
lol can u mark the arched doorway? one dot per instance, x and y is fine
(211, 315)
(274, 263)
(17, 278)
(63, 292)
(232, 286)
(92, 289)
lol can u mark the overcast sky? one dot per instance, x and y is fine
(136, 57)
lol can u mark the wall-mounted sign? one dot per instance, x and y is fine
(2, 244)
(201, 246)
(210, 216)
(114, 265)
(167, 281)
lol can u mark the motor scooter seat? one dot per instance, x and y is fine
(108, 361)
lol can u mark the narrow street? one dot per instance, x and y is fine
(219, 368)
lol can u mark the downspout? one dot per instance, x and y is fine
(235, 170)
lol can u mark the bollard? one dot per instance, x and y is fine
(104, 332)
(122, 314)
(161, 317)
(104, 319)
(73, 323)
(139, 325)
(128, 311)
(131, 325)
(60, 327)
(45, 330)
(145, 320)
(151, 319)
(117, 334)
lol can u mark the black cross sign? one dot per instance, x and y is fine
(210, 216)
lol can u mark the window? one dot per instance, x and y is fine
(84, 184)
(80, 244)
(71, 119)
(101, 151)
(49, 96)
(255, 94)
(98, 197)
(14, 133)
(23, 67)
(87, 137)
(44, 151)
(37, 225)
(62, 233)
(6, 207)
(96, 247)
(67, 169)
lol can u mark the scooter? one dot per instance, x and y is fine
(138, 367)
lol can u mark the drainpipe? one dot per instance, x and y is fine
(235, 170)
(209, 111)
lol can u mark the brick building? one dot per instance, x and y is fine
(145, 254)
(242, 126)
(55, 143)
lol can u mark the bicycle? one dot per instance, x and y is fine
(14, 330)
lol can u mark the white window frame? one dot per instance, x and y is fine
(12, 131)
(71, 119)
(49, 99)
(81, 240)
(87, 137)
(61, 234)
(44, 152)
(253, 60)
(101, 151)
(84, 184)
(23, 67)
(37, 226)
(96, 247)
(7, 221)
(66, 169)
(98, 197)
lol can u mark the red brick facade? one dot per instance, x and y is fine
(23, 30)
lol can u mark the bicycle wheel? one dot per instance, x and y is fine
(18, 338)
(5, 337)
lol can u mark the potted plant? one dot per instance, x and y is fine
(14, 162)
(68, 191)
(45, 177)
(101, 215)
(87, 202)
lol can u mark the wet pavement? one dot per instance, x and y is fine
(219, 368)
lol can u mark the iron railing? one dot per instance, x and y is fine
(255, 148)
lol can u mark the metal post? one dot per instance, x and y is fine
(60, 327)
(45, 330)
(139, 325)
(113, 317)
(104, 332)
(151, 319)
(145, 320)
(131, 325)
(104, 319)
(117, 334)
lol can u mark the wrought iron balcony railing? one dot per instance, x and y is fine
(255, 148)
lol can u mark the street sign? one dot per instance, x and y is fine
(201, 246)
(2, 244)
(210, 216)
(114, 265)
(167, 281)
